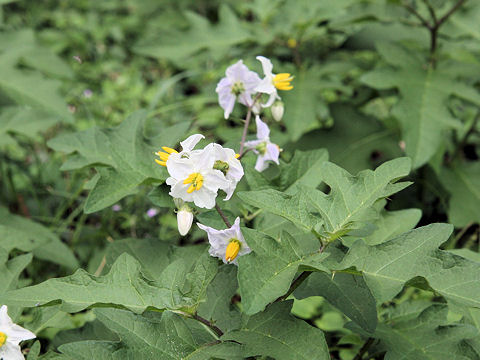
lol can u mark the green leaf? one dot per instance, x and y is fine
(353, 133)
(218, 307)
(11, 270)
(302, 103)
(423, 108)
(277, 334)
(348, 205)
(266, 273)
(177, 46)
(149, 338)
(124, 286)
(426, 337)
(127, 155)
(463, 183)
(388, 266)
(347, 292)
(17, 232)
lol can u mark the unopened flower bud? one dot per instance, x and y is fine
(184, 220)
(277, 110)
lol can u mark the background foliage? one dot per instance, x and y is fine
(384, 90)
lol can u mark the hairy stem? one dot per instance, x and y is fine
(295, 284)
(222, 215)
(364, 349)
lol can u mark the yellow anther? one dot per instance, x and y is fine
(163, 156)
(163, 163)
(169, 150)
(3, 338)
(196, 181)
(237, 156)
(232, 250)
(282, 81)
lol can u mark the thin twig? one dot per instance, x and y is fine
(450, 12)
(414, 12)
(247, 123)
(224, 218)
(364, 349)
(209, 324)
(431, 10)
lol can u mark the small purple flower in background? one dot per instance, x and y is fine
(87, 93)
(152, 212)
(116, 207)
(266, 150)
(239, 83)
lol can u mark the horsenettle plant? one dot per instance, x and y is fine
(286, 230)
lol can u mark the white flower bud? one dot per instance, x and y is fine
(277, 110)
(184, 220)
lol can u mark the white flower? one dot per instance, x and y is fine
(10, 337)
(277, 110)
(184, 220)
(271, 82)
(226, 161)
(193, 178)
(240, 82)
(265, 149)
(226, 244)
(187, 148)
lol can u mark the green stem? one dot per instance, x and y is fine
(364, 349)
(222, 215)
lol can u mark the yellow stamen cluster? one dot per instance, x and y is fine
(232, 250)
(196, 181)
(282, 81)
(164, 155)
(3, 338)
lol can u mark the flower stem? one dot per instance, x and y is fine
(222, 215)
(247, 123)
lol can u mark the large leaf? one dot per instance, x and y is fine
(266, 273)
(178, 46)
(463, 183)
(124, 286)
(277, 334)
(347, 292)
(426, 337)
(17, 232)
(127, 157)
(388, 266)
(11, 269)
(422, 110)
(348, 205)
(142, 338)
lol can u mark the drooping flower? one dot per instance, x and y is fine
(226, 244)
(239, 83)
(187, 145)
(193, 178)
(226, 161)
(271, 82)
(184, 216)
(277, 110)
(266, 150)
(10, 337)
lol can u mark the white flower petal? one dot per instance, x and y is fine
(179, 168)
(189, 143)
(237, 71)
(266, 86)
(16, 334)
(204, 198)
(261, 164)
(253, 144)
(263, 132)
(179, 190)
(11, 352)
(266, 65)
(272, 153)
(273, 96)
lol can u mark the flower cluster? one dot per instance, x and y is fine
(196, 175)
(10, 337)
